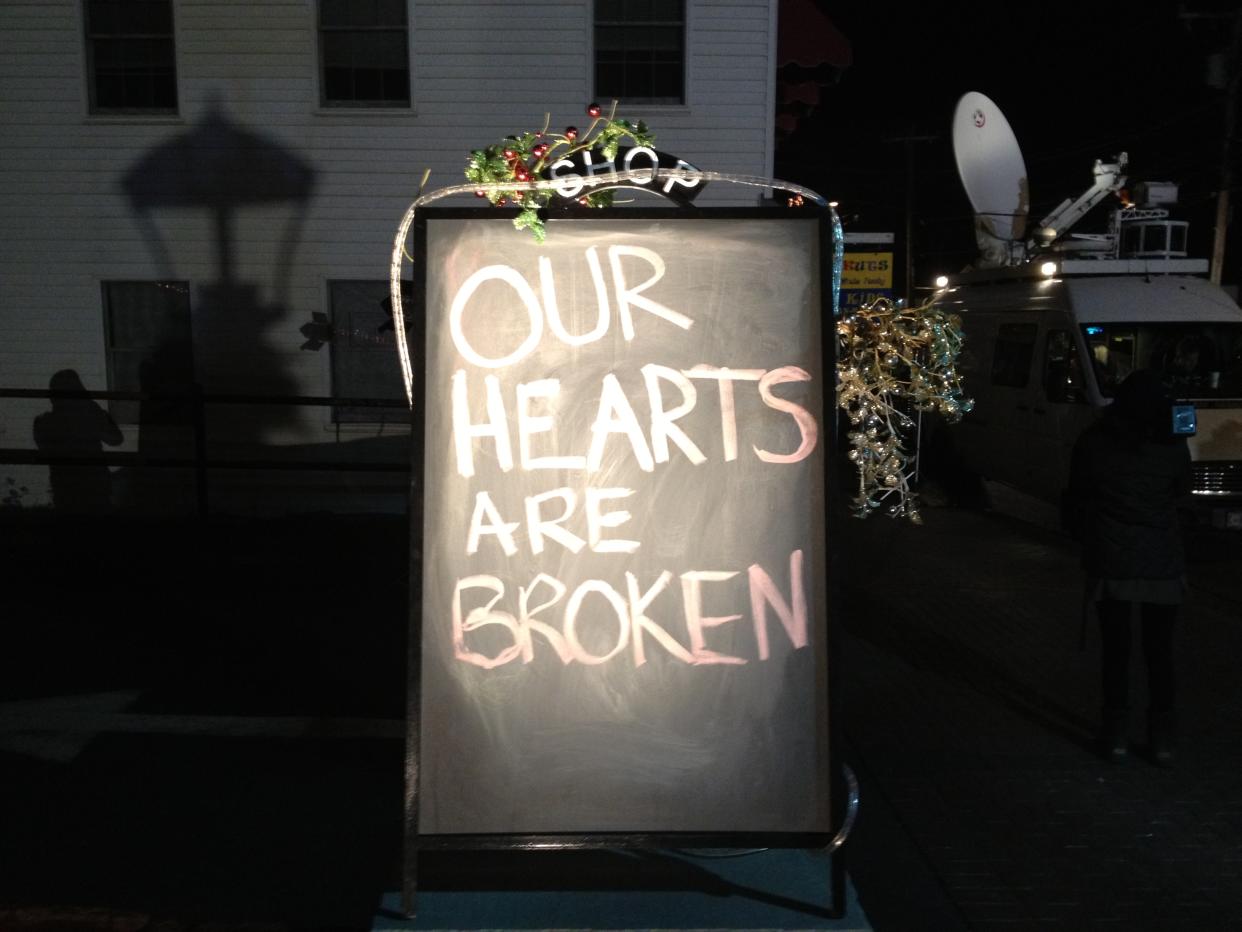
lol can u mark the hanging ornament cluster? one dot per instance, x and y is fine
(523, 158)
(894, 360)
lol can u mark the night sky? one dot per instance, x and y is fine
(1077, 82)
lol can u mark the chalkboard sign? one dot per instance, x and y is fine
(622, 607)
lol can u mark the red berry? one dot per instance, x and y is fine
(593, 110)
(571, 133)
(521, 174)
(510, 154)
(480, 194)
(539, 151)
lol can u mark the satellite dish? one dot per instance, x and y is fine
(990, 165)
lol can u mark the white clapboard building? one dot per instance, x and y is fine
(205, 192)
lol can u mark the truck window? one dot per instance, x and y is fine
(1011, 359)
(1062, 372)
(1199, 359)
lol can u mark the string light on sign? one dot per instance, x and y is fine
(893, 357)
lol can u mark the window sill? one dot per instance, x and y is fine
(368, 428)
(626, 109)
(404, 113)
(134, 119)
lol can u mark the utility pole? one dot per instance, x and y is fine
(909, 140)
(1232, 73)
(1227, 80)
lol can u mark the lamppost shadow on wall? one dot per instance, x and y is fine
(225, 168)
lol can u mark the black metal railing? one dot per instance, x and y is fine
(198, 457)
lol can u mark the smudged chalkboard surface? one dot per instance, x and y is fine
(624, 608)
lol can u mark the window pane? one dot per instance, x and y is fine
(609, 10)
(368, 84)
(365, 67)
(132, 56)
(365, 13)
(390, 12)
(609, 39)
(1011, 363)
(338, 84)
(129, 18)
(364, 351)
(668, 11)
(343, 13)
(149, 342)
(640, 50)
(380, 49)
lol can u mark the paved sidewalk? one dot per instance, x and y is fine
(255, 783)
(970, 712)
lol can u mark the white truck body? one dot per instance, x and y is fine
(1043, 353)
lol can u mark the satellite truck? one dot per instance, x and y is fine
(1055, 320)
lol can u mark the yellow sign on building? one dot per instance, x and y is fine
(865, 277)
(867, 270)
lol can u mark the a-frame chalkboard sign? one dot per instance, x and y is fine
(623, 588)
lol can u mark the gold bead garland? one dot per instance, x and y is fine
(894, 357)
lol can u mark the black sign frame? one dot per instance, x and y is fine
(416, 318)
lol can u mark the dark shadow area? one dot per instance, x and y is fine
(248, 617)
(902, 633)
(225, 344)
(76, 427)
(500, 872)
(190, 832)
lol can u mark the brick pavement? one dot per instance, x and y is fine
(969, 709)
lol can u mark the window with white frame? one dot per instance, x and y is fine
(364, 57)
(364, 352)
(640, 51)
(149, 343)
(130, 56)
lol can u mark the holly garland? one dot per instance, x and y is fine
(523, 158)
(890, 354)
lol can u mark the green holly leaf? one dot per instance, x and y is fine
(529, 219)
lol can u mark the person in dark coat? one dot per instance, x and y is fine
(1128, 473)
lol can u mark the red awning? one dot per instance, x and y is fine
(806, 37)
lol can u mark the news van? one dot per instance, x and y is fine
(1054, 323)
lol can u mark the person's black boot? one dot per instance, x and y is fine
(1115, 735)
(1161, 735)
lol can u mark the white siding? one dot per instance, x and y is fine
(480, 70)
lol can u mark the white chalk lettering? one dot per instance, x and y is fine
(530, 424)
(538, 527)
(552, 308)
(692, 594)
(662, 427)
(479, 617)
(632, 615)
(724, 378)
(598, 520)
(806, 423)
(616, 416)
(464, 432)
(531, 303)
(580, 653)
(527, 622)
(640, 623)
(763, 592)
(628, 297)
(484, 507)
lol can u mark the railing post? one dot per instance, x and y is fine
(200, 450)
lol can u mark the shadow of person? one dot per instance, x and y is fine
(76, 427)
